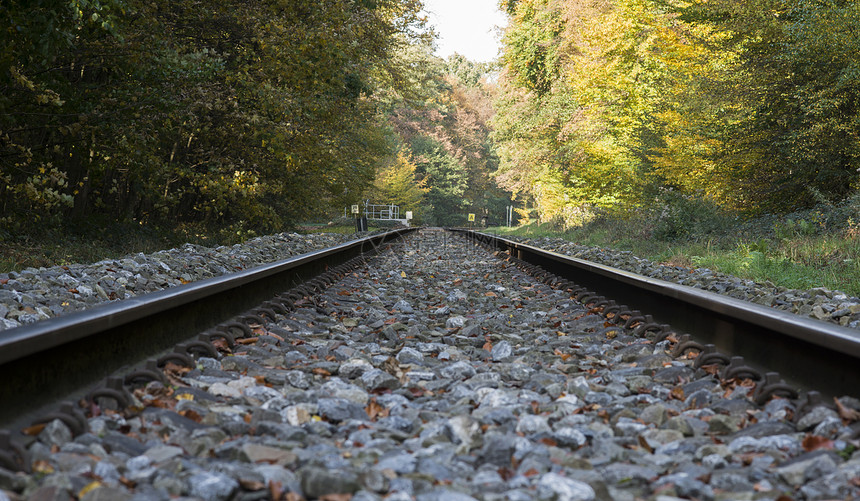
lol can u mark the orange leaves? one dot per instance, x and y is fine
(564, 356)
(814, 442)
(374, 410)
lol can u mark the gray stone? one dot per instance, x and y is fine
(457, 370)
(553, 486)
(106, 493)
(375, 379)
(815, 416)
(212, 485)
(444, 495)
(161, 453)
(808, 466)
(317, 482)
(530, 424)
(340, 409)
(501, 351)
(409, 355)
(403, 307)
(55, 433)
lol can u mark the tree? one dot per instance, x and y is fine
(397, 182)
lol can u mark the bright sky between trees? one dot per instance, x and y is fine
(468, 27)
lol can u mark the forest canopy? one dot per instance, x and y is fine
(250, 114)
(257, 115)
(750, 105)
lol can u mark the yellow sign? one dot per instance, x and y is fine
(471, 217)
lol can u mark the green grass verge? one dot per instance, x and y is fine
(828, 259)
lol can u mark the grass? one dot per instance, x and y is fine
(828, 259)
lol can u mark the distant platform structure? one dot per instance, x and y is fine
(380, 212)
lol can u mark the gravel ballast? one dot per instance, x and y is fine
(818, 303)
(441, 372)
(36, 294)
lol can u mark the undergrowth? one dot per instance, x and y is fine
(819, 247)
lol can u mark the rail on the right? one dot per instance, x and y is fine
(808, 353)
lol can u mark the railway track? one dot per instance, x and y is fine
(435, 370)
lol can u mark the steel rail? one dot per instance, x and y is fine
(808, 353)
(43, 362)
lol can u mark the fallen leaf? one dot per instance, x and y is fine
(488, 346)
(549, 442)
(34, 430)
(321, 372)
(42, 466)
(403, 274)
(677, 393)
(506, 473)
(846, 413)
(247, 340)
(191, 414)
(95, 484)
(375, 410)
(221, 345)
(712, 369)
(814, 442)
(645, 445)
(490, 294)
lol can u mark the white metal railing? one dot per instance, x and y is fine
(377, 211)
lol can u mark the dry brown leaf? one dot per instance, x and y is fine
(814, 442)
(321, 372)
(374, 410)
(846, 413)
(34, 430)
(488, 346)
(247, 340)
(42, 466)
(677, 393)
(645, 445)
(221, 345)
(292, 496)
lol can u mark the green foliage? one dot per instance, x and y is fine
(243, 116)
(827, 257)
(750, 105)
(445, 128)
